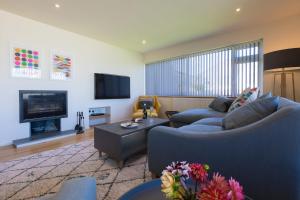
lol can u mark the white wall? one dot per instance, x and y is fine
(277, 35)
(90, 56)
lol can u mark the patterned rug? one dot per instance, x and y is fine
(41, 175)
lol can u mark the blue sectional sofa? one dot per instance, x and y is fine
(264, 156)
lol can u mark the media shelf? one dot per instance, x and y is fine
(99, 115)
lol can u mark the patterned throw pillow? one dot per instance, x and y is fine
(248, 95)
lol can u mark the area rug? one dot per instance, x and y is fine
(39, 176)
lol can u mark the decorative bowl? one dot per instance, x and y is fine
(129, 125)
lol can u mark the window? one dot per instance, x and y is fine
(220, 72)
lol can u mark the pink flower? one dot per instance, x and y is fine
(236, 190)
(199, 172)
(216, 189)
(180, 169)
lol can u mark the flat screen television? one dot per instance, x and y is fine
(109, 86)
(38, 105)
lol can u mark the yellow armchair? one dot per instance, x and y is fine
(138, 111)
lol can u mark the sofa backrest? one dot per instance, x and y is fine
(283, 103)
(284, 110)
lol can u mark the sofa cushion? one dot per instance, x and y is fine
(140, 113)
(221, 104)
(248, 95)
(250, 113)
(212, 121)
(199, 128)
(192, 115)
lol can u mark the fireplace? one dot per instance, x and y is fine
(45, 126)
(42, 105)
(43, 110)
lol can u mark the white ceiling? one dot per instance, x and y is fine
(161, 23)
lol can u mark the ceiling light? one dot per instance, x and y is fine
(57, 5)
(238, 9)
(144, 41)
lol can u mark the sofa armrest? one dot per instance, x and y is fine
(264, 156)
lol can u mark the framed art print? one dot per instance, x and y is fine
(25, 62)
(61, 66)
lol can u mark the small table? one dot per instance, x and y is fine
(119, 143)
(149, 191)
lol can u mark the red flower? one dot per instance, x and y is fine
(216, 189)
(199, 172)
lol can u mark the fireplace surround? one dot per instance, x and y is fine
(39, 105)
(43, 109)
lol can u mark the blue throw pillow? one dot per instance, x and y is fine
(266, 95)
(250, 113)
(221, 104)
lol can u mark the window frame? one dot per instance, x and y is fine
(184, 62)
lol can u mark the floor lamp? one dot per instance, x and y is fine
(283, 63)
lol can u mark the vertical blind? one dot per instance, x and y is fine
(220, 72)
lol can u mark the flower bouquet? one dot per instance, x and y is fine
(200, 187)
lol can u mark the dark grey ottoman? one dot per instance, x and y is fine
(120, 143)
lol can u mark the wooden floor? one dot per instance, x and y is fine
(10, 152)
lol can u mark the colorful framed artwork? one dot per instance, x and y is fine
(61, 66)
(25, 62)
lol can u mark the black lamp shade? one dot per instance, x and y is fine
(282, 58)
